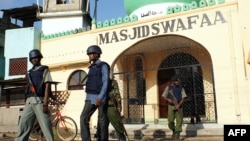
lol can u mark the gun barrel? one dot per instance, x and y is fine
(120, 120)
(174, 98)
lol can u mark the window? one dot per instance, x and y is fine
(140, 80)
(18, 66)
(62, 1)
(76, 80)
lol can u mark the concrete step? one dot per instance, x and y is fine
(191, 132)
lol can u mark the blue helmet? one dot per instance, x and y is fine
(94, 49)
(35, 53)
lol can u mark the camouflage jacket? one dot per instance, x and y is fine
(115, 96)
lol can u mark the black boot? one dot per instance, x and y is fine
(122, 137)
(173, 135)
(192, 120)
(198, 119)
(177, 136)
(97, 137)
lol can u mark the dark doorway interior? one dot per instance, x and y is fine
(188, 69)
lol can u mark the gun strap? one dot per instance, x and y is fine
(45, 74)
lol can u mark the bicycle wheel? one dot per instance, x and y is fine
(33, 137)
(66, 129)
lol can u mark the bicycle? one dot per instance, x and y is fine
(65, 127)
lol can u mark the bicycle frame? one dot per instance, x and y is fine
(65, 126)
(59, 117)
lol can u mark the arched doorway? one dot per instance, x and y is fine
(187, 68)
(160, 58)
(194, 77)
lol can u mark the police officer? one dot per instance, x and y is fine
(36, 105)
(97, 95)
(175, 95)
(114, 110)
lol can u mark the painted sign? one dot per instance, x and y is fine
(150, 8)
(163, 27)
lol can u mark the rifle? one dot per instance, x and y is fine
(31, 86)
(119, 116)
(175, 100)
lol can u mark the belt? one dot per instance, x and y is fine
(111, 105)
(32, 96)
(171, 104)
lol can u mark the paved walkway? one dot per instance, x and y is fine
(9, 137)
(191, 132)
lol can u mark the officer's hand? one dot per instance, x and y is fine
(98, 102)
(119, 110)
(170, 101)
(177, 107)
(45, 108)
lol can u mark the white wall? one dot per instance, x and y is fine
(18, 43)
(56, 25)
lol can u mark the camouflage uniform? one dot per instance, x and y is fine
(114, 110)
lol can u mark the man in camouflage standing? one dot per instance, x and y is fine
(114, 110)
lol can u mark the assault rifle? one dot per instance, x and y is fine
(31, 86)
(174, 98)
(119, 116)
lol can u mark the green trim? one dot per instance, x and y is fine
(120, 20)
(132, 5)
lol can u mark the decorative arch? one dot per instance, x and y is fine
(157, 59)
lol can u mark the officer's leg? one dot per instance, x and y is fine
(116, 121)
(179, 121)
(171, 119)
(103, 121)
(97, 134)
(87, 112)
(44, 122)
(26, 122)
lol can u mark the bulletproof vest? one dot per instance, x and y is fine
(176, 91)
(94, 81)
(37, 78)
